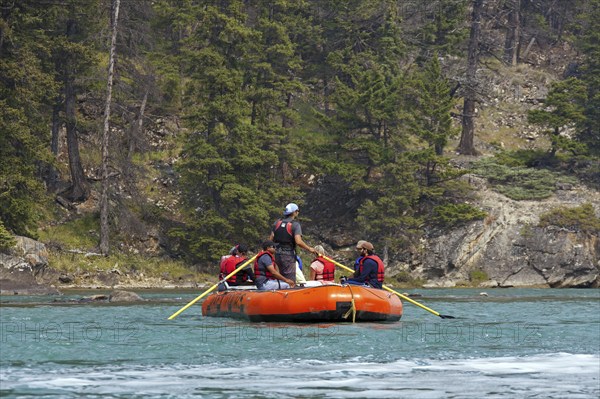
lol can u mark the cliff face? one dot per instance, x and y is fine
(511, 249)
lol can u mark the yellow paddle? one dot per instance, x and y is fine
(395, 292)
(174, 315)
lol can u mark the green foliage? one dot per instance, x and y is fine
(520, 183)
(238, 78)
(7, 240)
(576, 100)
(582, 218)
(589, 44)
(430, 118)
(449, 215)
(564, 106)
(25, 87)
(478, 276)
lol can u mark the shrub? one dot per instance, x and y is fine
(7, 240)
(581, 218)
(520, 182)
(478, 276)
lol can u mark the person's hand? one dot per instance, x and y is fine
(292, 283)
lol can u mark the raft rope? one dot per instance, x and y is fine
(352, 307)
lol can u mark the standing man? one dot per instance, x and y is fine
(287, 234)
(370, 267)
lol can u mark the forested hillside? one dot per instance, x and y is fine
(367, 113)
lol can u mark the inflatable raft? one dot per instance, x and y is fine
(323, 303)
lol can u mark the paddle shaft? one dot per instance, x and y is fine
(394, 292)
(174, 315)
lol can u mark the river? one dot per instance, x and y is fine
(512, 343)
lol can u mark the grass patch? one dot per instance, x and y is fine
(134, 265)
(82, 233)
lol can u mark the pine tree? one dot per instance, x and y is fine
(238, 79)
(26, 87)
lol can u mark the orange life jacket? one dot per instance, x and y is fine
(380, 267)
(263, 272)
(328, 269)
(230, 265)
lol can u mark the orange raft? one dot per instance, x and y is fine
(325, 303)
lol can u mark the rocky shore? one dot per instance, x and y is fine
(25, 271)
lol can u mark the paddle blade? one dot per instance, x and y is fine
(445, 316)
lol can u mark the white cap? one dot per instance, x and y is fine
(290, 208)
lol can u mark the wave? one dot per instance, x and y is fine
(546, 375)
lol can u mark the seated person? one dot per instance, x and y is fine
(321, 269)
(300, 280)
(233, 262)
(266, 270)
(370, 267)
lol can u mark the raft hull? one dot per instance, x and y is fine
(327, 303)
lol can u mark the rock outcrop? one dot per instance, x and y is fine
(510, 248)
(19, 269)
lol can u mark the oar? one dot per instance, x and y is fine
(174, 315)
(443, 316)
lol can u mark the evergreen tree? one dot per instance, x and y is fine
(589, 44)
(235, 100)
(564, 107)
(26, 87)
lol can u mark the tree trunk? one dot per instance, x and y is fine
(511, 44)
(54, 144)
(466, 146)
(79, 190)
(104, 231)
(137, 127)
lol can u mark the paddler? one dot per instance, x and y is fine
(287, 234)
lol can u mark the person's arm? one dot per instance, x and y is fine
(297, 233)
(313, 272)
(315, 267)
(249, 272)
(271, 268)
(300, 243)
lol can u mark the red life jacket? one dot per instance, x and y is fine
(263, 272)
(328, 269)
(282, 234)
(230, 265)
(380, 267)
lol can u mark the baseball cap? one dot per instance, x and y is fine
(364, 244)
(290, 208)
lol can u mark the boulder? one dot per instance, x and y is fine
(124, 296)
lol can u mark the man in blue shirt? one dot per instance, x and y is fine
(370, 269)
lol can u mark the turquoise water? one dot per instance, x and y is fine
(514, 343)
